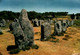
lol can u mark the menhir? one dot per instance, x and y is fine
(23, 31)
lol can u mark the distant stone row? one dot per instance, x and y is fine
(37, 22)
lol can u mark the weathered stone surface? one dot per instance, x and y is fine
(68, 23)
(71, 22)
(45, 31)
(57, 28)
(23, 31)
(7, 20)
(64, 26)
(2, 23)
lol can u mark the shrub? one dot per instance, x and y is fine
(77, 22)
(35, 46)
(14, 51)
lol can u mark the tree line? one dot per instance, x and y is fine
(9, 15)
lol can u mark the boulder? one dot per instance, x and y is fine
(64, 26)
(23, 31)
(2, 23)
(57, 27)
(45, 31)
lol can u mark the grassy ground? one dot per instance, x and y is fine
(63, 47)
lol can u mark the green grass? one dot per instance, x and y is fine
(76, 23)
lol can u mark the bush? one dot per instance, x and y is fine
(77, 22)
(14, 51)
(35, 46)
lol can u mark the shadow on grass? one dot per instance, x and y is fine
(37, 39)
(13, 49)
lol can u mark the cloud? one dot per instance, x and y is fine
(41, 5)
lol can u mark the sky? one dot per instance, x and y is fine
(71, 6)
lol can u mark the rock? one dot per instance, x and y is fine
(23, 31)
(40, 22)
(45, 31)
(57, 28)
(2, 23)
(7, 20)
(71, 22)
(68, 23)
(26, 26)
(64, 26)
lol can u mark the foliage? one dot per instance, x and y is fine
(9, 15)
(72, 16)
(77, 22)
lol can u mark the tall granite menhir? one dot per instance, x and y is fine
(57, 28)
(23, 31)
(45, 31)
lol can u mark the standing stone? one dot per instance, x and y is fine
(23, 31)
(64, 26)
(57, 28)
(2, 23)
(71, 22)
(68, 23)
(45, 31)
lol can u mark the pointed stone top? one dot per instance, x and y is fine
(23, 14)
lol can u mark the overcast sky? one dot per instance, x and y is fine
(71, 6)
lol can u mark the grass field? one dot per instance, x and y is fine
(63, 47)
